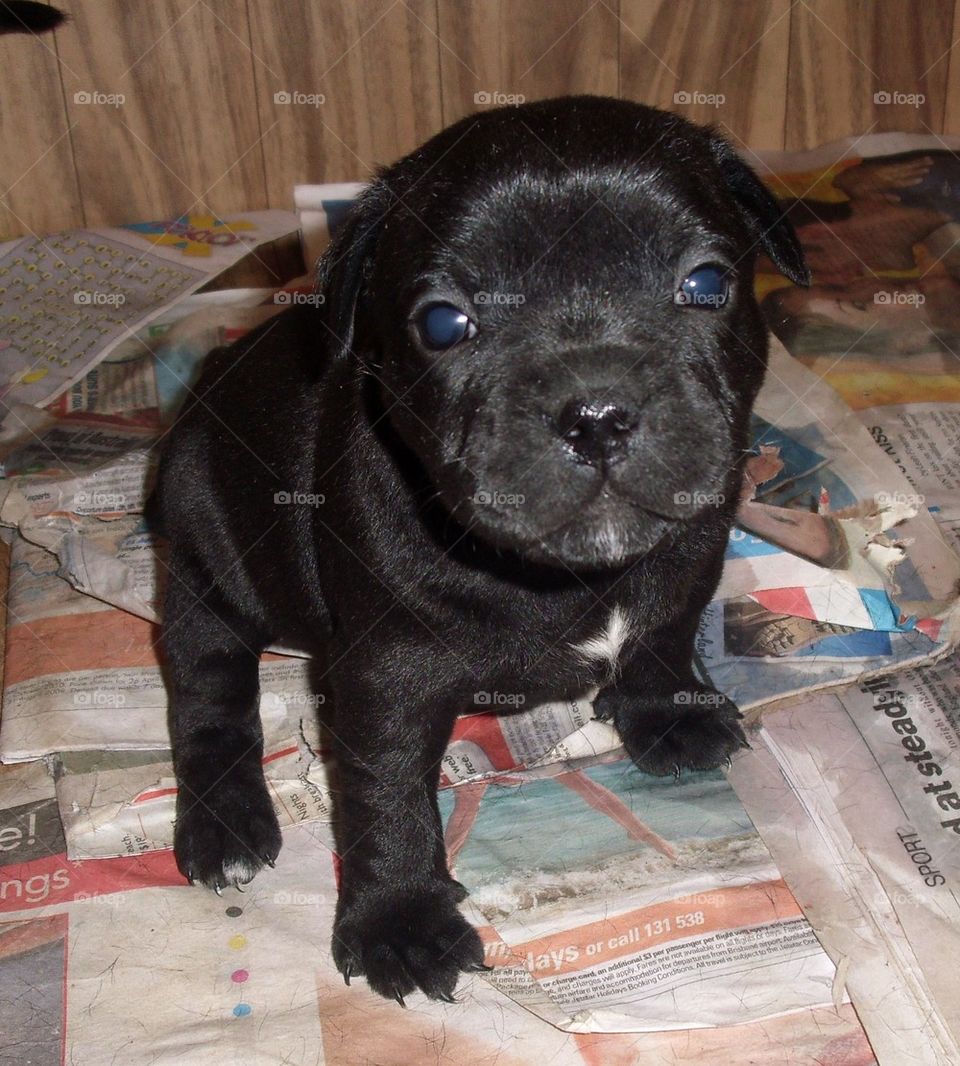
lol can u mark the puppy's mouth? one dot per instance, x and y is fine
(604, 530)
(601, 542)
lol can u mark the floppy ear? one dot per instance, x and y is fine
(764, 217)
(342, 269)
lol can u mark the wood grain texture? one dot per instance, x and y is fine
(845, 52)
(38, 185)
(719, 63)
(375, 62)
(186, 135)
(950, 58)
(519, 48)
(200, 126)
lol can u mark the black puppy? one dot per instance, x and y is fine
(501, 453)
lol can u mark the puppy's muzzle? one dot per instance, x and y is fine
(597, 433)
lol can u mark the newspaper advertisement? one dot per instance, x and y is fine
(651, 904)
(103, 960)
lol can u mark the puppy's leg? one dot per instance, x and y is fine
(667, 719)
(226, 828)
(397, 921)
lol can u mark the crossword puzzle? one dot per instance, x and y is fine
(63, 296)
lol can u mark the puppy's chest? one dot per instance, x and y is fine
(604, 649)
(591, 651)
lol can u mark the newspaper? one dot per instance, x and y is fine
(857, 792)
(119, 960)
(672, 878)
(651, 905)
(649, 889)
(71, 298)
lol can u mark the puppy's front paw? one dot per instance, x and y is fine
(696, 728)
(225, 836)
(400, 943)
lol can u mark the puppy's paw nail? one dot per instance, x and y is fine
(676, 771)
(446, 997)
(217, 888)
(347, 972)
(270, 863)
(479, 967)
(399, 998)
(239, 886)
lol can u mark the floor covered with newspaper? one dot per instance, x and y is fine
(801, 908)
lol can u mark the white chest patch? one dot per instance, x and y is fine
(607, 645)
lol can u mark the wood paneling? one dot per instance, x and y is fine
(518, 48)
(374, 62)
(201, 125)
(720, 63)
(38, 185)
(186, 134)
(843, 53)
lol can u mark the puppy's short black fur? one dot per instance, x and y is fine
(528, 490)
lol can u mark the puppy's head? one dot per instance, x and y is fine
(556, 303)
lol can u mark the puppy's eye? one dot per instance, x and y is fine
(707, 286)
(443, 325)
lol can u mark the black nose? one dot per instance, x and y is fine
(597, 432)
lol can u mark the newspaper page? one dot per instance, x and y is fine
(109, 960)
(856, 791)
(71, 298)
(672, 877)
(889, 595)
(650, 905)
(886, 596)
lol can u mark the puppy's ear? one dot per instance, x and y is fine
(343, 267)
(764, 217)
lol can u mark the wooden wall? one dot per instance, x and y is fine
(200, 126)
